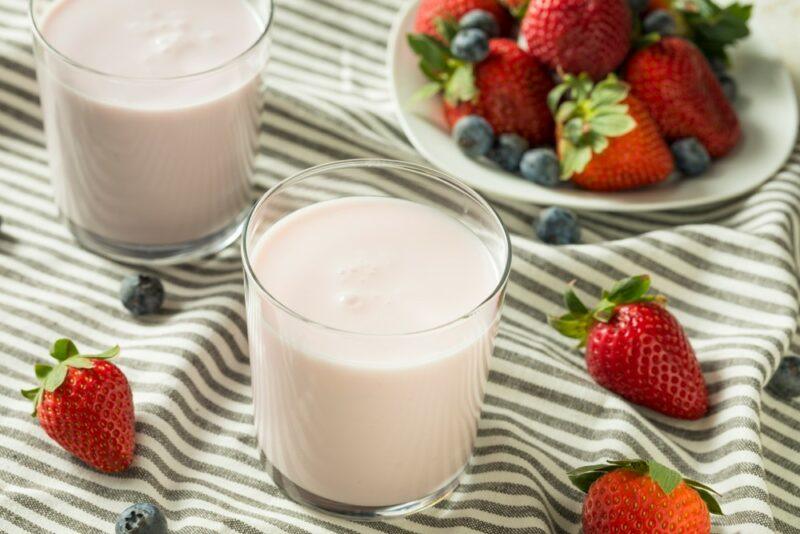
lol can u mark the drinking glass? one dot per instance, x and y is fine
(361, 425)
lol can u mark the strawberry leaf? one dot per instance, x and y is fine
(574, 159)
(555, 96)
(431, 52)
(105, 355)
(613, 125)
(55, 378)
(446, 27)
(63, 349)
(566, 111)
(425, 92)
(713, 28)
(79, 362)
(609, 91)
(42, 371)
(461, 86)
(666, 478)
(629, 289)
(711, 501)
(574, 304)
(30, 394)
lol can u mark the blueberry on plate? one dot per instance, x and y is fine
(691, 157)
(470, 44)
(480, 19)
(661, 22)
(473, 135)
(637, 6)
(507, 151)
(728, 85)
(785, 383)
(540, 166)
(142, 518)
(558, 226)
(141, 294)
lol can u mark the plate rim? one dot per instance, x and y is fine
(602, 201)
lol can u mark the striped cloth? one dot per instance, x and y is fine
(729, 272)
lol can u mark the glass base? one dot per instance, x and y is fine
(159, 254)
(359, 513)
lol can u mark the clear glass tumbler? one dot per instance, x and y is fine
(152, 169)
(367, 437)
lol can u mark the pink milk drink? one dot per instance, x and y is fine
(374, 291)
(151, 110)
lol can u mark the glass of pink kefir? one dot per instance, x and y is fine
(374, 290)
(151, 111)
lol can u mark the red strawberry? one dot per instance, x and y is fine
(675, 82)
(509, 88)
(643, 496)
(637, 349)
(431, 11)
(591, 36)
(84, 403)
(606, 139)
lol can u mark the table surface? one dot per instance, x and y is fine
(729, 271)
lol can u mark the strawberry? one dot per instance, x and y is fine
(675, 82)
(643, 496)
(606, 139)
(575, 36)
(509, 88)
(637, 349)
(84, 403)
(432, 13)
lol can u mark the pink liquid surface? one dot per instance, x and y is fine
(374, 416)
(139, 159)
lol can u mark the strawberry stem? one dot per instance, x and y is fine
(579, 320)
(666, 478)
(51, 377)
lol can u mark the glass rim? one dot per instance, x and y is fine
(377, 163)
(63, 57)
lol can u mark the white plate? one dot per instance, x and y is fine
(766, 106)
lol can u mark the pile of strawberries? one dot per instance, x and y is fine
(623, 105)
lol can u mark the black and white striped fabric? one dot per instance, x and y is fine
(730, 273)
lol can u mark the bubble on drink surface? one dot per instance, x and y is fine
(350, 300)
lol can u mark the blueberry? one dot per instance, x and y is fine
(142, 518)
(508, 150)
(785, 382)
(473, 135)
(660, 21)
(728, 85)
(142, 294)
(470, 44)
(691, 157)
(540, 166)
(482, 20)
(637, 6)
(558, 226)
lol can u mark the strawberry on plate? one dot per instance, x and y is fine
(508, 88)
(676, 84)
(84, 403)
(575, 36)
(432, 13)
(636, 348)
(639, 496)
(606, 139)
